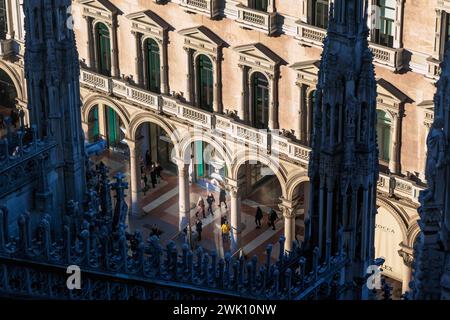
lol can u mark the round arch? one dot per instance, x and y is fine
(92, 101)
(105, 23)
(186, 141)
(412, 234)
(397, 216)
(14, 78)
(149, 118)
(294, 181)
(252, 72)
(243, 156)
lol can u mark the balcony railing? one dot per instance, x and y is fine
(257, 20)
(390, 58)
(209, 8)
(434, 68)
(399, 186)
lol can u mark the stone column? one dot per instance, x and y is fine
(94, 61)
(217, 103)
(184, 197)
(9, 20)
(273, 101)
(287, 209)
(394, 159)
(242, 113)
(164, 68)
(194, 79)
(90, 43)
(144, 67)
(406, 254)
(115, 50)
(250, 93)
(189, 75)
(135, 177)
(235, 218)
(138, 59)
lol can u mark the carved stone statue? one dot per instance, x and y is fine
(436, 145)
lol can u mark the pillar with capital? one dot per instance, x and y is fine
(235, 218)
(115, 50)
(164, 67)
(242, 112)
(134, 146)
(394, 159)
(301, 120)
(138, 58)
(287, 208)
(90, 43)
(217, 102)
(407, 255)
(184, 198)
(189, 75)
(273, 101)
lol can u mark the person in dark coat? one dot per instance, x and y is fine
(153, 176)
(272, 218)
(148, 158)
(210, 199)
(159, 169)
(258, 217)
(199, 229)
(223, 198)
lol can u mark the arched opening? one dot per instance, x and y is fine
(153, 66)
(205, 83)
(8, 95)
(93, 134)
(260, 5)
(155, 146)
(384, 135)
(3, 20)
(103, 49)
(260, 103)
(388, 236)
(206, 164)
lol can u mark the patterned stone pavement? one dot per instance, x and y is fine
(160, 206)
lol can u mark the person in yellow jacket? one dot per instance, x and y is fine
(226, 231)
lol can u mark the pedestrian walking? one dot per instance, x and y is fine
(201, 206)
(148, 158)
(153, 176)
(225, 231)
(141, 164)
(210, 199)
(159, 170)
(258, 217)
(223, 198)
(145, 179)
(199, 229)
(272, 218)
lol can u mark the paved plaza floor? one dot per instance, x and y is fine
(160, 206)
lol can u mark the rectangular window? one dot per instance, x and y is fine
(384, 27)
(260, 5)
(320, 13)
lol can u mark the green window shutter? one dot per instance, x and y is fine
(199, 158)
(153, 66)
(205, 83)
(104, 49)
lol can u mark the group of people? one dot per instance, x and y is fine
(203, 211)
(271, 218)
(154, 169)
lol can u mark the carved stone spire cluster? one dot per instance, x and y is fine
(432, 256)
(52, 73)
(343, 168)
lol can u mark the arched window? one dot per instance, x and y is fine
(260, 106)
(205, 83)
(320, 13)
(383, 135)
(93, 127)
(260, 5)
(103, 49)
(153, 66)
(8, 93)
(3, 19)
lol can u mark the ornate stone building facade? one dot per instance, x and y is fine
(189, 68)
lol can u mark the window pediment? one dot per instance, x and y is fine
(202, 39)
(148, 23)
(259, 56)
(389, 96)
(307, 71)
(100, 9)
(428, 107)
(443, 5)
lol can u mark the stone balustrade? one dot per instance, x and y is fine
(257, 20)
(400, 186)
(209, 8)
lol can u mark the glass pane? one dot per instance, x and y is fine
(261, 101)
(104, 49)
(205, 83)
(3, 21)
(320, 16)
(153, 66)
